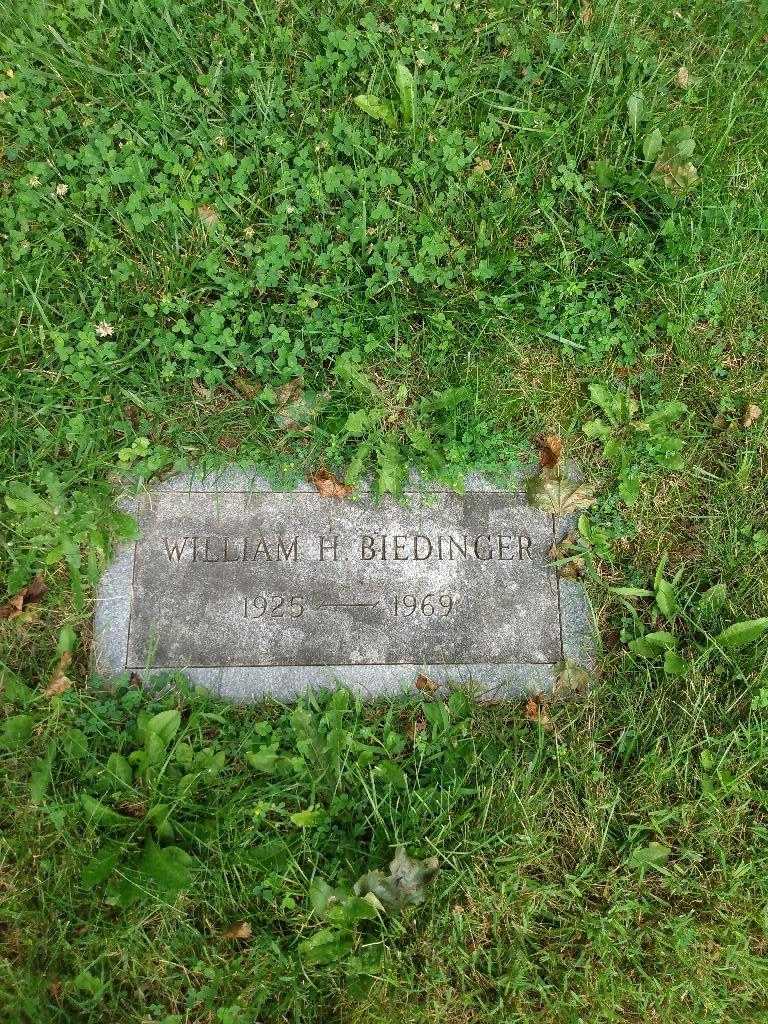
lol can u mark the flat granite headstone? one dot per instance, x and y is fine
(251, 591)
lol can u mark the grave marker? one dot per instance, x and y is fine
(252, 591)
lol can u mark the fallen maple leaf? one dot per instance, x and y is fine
(33, 591)
(675, 173)
(550, 450)
(552, 492)
(426, 685)
(751, 415)
(404, 886)
(60, 681)
(329, 486)
(239, 930)
(682, 78)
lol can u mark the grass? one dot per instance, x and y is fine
(210, 253)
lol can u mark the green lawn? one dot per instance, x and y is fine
(539, 219)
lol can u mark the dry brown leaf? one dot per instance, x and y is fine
(587, 14)
(133, 808)
(412, 729)
(567, 548)
(682, 78)
(329, 486)
(535, 711)
(573, 570)
(426, 685)
(751, 415)
(246, 387)
(481, 166)
(208, 215)
(34, 591)
(239, 930)
(550, 450)
(60, 681)
(675, 174)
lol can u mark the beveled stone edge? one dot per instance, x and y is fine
(112, 614)
(238, 479)
(372, 682)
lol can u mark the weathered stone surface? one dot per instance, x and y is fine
(251, 591)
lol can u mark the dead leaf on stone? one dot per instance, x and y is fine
(33, 592)
(550, 450)
(329, 486)
(208, 215)
(426, 685)
(752, 414)
(553, 492)
(682, 78)
(60, 681)
(135, 679)
(239, 930)
(571, 679)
